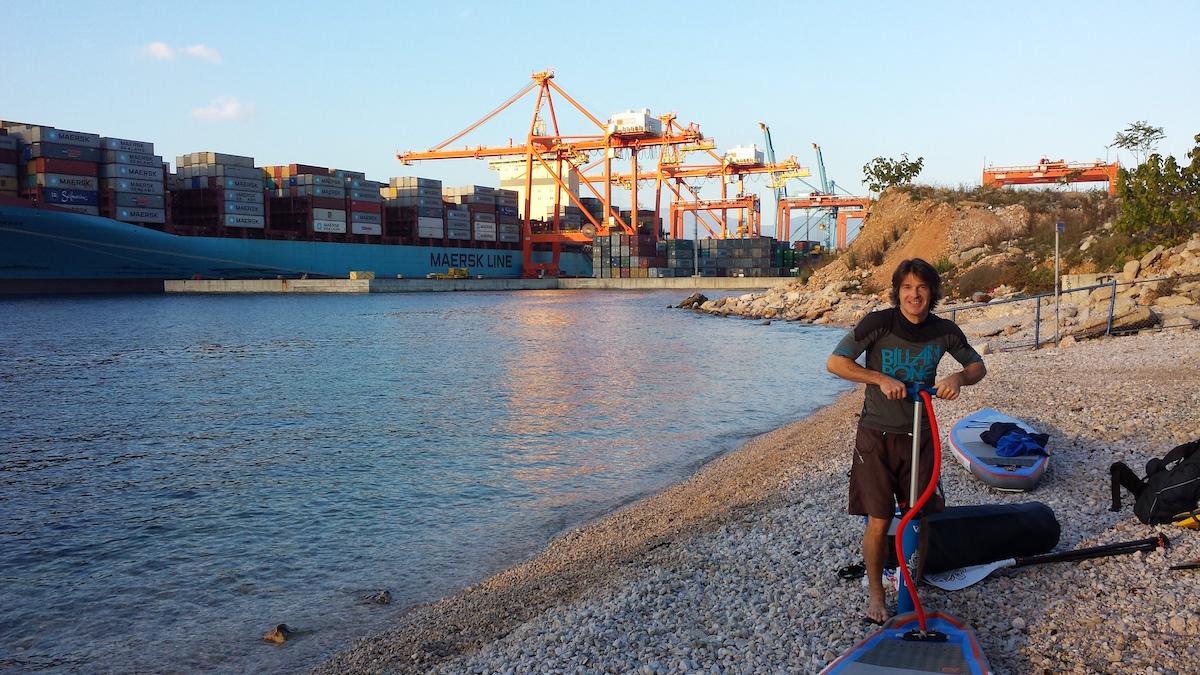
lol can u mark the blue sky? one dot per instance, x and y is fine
(347, 85)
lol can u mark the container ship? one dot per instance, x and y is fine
(80, 212)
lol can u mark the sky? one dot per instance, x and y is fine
(347, 85)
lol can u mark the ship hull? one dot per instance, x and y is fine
(48, 250)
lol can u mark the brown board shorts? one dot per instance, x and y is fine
(880, 475)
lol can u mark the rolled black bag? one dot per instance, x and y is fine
(962, 536)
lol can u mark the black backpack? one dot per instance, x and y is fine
(1170, 490)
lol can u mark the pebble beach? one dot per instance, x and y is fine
(735, 569)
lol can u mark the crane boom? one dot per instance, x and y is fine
(821, 169)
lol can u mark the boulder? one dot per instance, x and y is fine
(279, 634)
(1140, 317)
(1173, 301)
(693, 301)
(1151, 257)
(980, 297)
(1131, 270)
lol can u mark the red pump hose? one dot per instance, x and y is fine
(937, 466)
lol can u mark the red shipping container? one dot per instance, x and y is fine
(328, 203)
(365, 207)
(70, 167)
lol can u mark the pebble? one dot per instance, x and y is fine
(735, 569)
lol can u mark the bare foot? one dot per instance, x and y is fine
(877, 611)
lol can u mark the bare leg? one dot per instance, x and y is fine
(874, 554)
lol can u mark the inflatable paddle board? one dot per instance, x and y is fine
(887, 652)
(1014, 474)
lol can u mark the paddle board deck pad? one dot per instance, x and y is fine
(1014, 474)
(887, 652)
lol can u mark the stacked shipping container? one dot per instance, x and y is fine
(132, 182)
(215, 192)
(508, 223)
(60, 167)
(624, 256)
(8, 164)
(364, 204)
(414, 210)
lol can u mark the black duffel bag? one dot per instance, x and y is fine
(962, 536)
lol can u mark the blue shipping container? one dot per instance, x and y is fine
(81, 197)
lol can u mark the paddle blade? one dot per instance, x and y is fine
(956, 580)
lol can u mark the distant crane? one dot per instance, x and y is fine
(778, 183)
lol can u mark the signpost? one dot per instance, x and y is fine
(1059, 228)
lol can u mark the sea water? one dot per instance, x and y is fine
(179, 474)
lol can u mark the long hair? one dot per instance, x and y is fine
(925, 272)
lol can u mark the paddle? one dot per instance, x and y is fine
(962, 577)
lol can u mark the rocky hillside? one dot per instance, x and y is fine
(998, 248)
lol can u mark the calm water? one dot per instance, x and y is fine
(180, 474)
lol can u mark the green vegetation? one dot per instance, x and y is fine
(883, 173)
(1139, 139)
(1160, 200)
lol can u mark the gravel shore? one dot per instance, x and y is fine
(734, 570)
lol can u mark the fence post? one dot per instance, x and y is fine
(1037, 323)
(1112, 307)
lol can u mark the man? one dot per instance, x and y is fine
(903, 345)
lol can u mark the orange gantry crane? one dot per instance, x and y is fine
(547, 147)
(845, 206)
(1053, 171)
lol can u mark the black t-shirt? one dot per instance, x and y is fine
(906, 351)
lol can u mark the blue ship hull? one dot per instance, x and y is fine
(49, 245)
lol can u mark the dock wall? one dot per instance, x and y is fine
(436, 285)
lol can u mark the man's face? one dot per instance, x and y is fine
(914, 298)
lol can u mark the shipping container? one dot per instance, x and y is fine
(142, 147)
(56, 151)
(140, 215)
(8, 170)
(62, 196)
(431, 228)
(8, 184)
(366, 207)
(58, 180)
(80, 208)
(9, 156)
(364, 195)
(348, 175)
(131, 172)
(359, 182)
(132, 158)
(484, 218)
(314, 179)
(458, 233)
(363, 217)
(243, 196)
(245, 208)
(366, 228)
(256, 222)
(8, 142)
(141, 187)
(140, 201)
(413, 181)
(507, 238)
(330, 226)
(485, 231)
(430, 213)
(232, 183)
(329, 214)
(317, 191)
(40, 134)
(217, 158)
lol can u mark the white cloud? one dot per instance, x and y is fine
(224, 108)
(161, 50)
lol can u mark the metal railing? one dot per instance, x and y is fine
(1029, 322)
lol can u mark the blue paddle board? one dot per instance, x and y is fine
(1014, 474)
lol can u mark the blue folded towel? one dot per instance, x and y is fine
(1016, 443)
